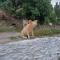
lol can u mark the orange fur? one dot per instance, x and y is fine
(28, 29)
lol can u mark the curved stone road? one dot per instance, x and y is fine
(47, 48)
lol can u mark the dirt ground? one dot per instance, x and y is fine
(5, 37)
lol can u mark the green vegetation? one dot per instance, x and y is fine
(4, 27)
(41, 10)
(7, 29)
(12, 38)
(46, 32)
(57, 9)
(29, 9)
(57, 12)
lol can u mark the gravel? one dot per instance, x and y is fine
(47, 48)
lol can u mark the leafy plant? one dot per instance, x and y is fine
(29, 9)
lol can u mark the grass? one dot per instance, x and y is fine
(4, 27)
(46, 32)
(13, 38)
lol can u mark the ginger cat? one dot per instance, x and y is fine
(28, 29)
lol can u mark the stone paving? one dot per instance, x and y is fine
(47, 48)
